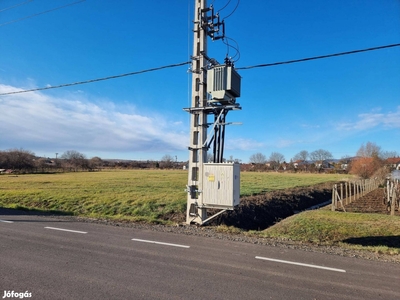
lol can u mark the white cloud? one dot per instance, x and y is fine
(393, 119)
(37, 121)
(372, 120)
(243, 144)
(283, 143)
(310, 126)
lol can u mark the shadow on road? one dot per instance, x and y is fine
(9, 212)
(389, 241)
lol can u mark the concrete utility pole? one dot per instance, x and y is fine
(214, 185)
(198, 119)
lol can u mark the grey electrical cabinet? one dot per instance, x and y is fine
(221, 185)
(223, 83)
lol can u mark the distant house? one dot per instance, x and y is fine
(329, 163)
(2, 170)
(344, 163)
(393, 162)
(300, 164)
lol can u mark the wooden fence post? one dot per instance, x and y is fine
(351, 192)
(363, 187)
(393, 202)
(357, 189)
(333, 208)
(341, 192)
(388, 192)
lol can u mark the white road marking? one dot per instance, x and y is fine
(301, 264)
(160, 243)
(68, 230)
(5, 221)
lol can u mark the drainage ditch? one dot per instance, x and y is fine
(262, 211)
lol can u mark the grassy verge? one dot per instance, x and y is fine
(373, 232)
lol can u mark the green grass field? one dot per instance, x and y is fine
(137, 195)
(253, 183)
(127, 195)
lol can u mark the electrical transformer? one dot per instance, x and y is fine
(223, 83)
(221, 185)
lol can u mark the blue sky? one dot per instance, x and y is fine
(335, 104)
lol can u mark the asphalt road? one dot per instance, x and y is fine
(53, 258)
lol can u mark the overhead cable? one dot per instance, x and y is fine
(225, 40)
(97, 79)
(223, 6)
(43, 12)
(237, 4)
(14, 6)
(318, 57)
(185, 63)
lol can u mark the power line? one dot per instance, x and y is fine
(43, 12)
(318, 57)
(223, 6)
(237, 4)
(98, 79)
(185, 63)
(16, 5)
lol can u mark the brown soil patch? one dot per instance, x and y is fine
(373, 202)
(262, 211)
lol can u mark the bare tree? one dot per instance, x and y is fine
(42, 164)
(258, 158)
(369, 160)
(276, 159)
(75, 160)
(95, 162)
(167, 161)
(365, 167)
(3, 160)
(302, 155)
(388, 154)
(234, 160)
(17, 159)
(369, 150)
(320, 155)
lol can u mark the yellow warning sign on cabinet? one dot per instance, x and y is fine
(211, 177)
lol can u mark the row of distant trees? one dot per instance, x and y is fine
(25, 161)
(276, 159)
(369, 160)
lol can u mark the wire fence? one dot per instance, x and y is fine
(348, 192)
(392, 195)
